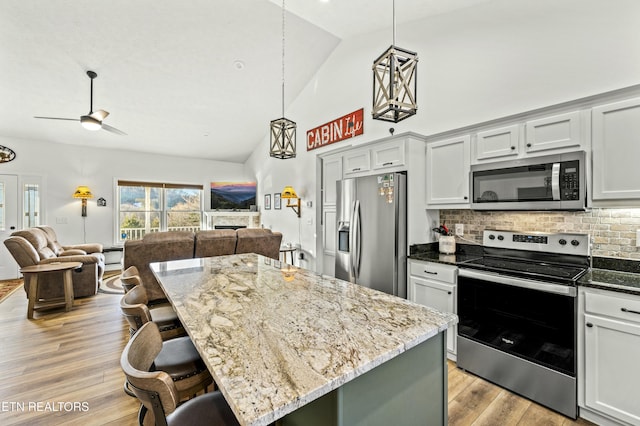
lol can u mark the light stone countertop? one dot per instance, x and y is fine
(274, 345)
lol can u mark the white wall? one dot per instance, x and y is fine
(477, 64)
(473, 67)
(64, 167)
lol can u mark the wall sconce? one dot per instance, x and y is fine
(289, 193)
(84, 193)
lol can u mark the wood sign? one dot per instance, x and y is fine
(342, 128)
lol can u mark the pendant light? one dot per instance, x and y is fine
(283, 130)
(395, 82)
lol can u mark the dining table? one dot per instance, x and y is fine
(289, 346)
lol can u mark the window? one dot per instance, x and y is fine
(145, 207)
(31, 199)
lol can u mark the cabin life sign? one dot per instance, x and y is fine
(345, 127)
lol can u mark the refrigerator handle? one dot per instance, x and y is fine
(357, 248)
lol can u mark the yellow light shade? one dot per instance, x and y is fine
(289, 192)
(83, 192)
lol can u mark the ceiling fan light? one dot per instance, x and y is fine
(90, 123)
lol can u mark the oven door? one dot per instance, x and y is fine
(532, 320)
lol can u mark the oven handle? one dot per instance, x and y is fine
(518, 282)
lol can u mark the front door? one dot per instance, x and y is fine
(8, 223)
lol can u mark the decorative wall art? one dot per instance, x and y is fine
(345, 127)
(233, 195)
(267, 202)
(276, 201)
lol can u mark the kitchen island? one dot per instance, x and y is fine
(291, 345)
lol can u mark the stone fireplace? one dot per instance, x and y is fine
(231, 219)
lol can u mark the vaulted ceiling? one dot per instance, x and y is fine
(193, 78)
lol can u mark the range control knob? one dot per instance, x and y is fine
(492, 237)
(562, 242)
(575, 243)
(500, 237)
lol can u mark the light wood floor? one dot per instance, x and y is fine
(73, 357)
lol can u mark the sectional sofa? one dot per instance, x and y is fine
(174, 245)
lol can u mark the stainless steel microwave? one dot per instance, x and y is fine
(553, 182)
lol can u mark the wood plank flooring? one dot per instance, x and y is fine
(64, 358)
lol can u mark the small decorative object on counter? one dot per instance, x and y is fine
(447, 242)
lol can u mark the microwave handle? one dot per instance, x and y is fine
(555, 181)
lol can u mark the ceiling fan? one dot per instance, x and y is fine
(93, 120)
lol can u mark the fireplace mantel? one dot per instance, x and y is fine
(232, 218)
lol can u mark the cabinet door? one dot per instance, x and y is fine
(357, 161)
(612, 351)
(448, 171)
(388, 155)
(616, 150)
(435, 295)
(331, 173)
(560, 131)
(497, 143)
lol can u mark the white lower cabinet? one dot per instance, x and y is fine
(611, 325)
(434, 285)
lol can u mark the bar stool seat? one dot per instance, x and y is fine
(207, 409)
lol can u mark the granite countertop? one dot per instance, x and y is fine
(623, 282)
(274, 340)
(607, 273)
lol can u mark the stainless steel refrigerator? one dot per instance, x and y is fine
(372, 232)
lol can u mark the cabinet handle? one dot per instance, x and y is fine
(449, 292)
(431, 273)
(630, 311)
(513, 147)
(465, 197)
(356, 169)
(528, 145)
(589, 325)
(388, 163)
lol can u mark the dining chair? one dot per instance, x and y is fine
(137, 313)
(159, 394)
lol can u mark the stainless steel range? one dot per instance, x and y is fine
(517, 310)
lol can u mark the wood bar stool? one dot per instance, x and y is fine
(31, 274)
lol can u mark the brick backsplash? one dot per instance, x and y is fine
(613, 231)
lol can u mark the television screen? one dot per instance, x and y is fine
(232, 195)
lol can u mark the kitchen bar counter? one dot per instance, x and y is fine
(292, 345)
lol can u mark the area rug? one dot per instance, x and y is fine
(7, 287)
(111, 285)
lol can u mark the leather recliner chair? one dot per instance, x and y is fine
(33, 246)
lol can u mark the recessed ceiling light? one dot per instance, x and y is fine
(239, 65)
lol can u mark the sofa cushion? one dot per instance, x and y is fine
(259, 240)
(218, 242)
(38, 240)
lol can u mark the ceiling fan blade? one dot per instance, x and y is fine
(112, 130)
(99, 114)
(58, 118)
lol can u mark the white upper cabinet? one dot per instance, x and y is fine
(390, 154)
(331, 173)
(357, 161)
(616, 150)
(447, 177)
(550, 133)
(498, 144)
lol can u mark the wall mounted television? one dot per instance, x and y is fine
(233, 195)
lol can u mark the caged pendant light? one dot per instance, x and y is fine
(395, 82)
(283, 130)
